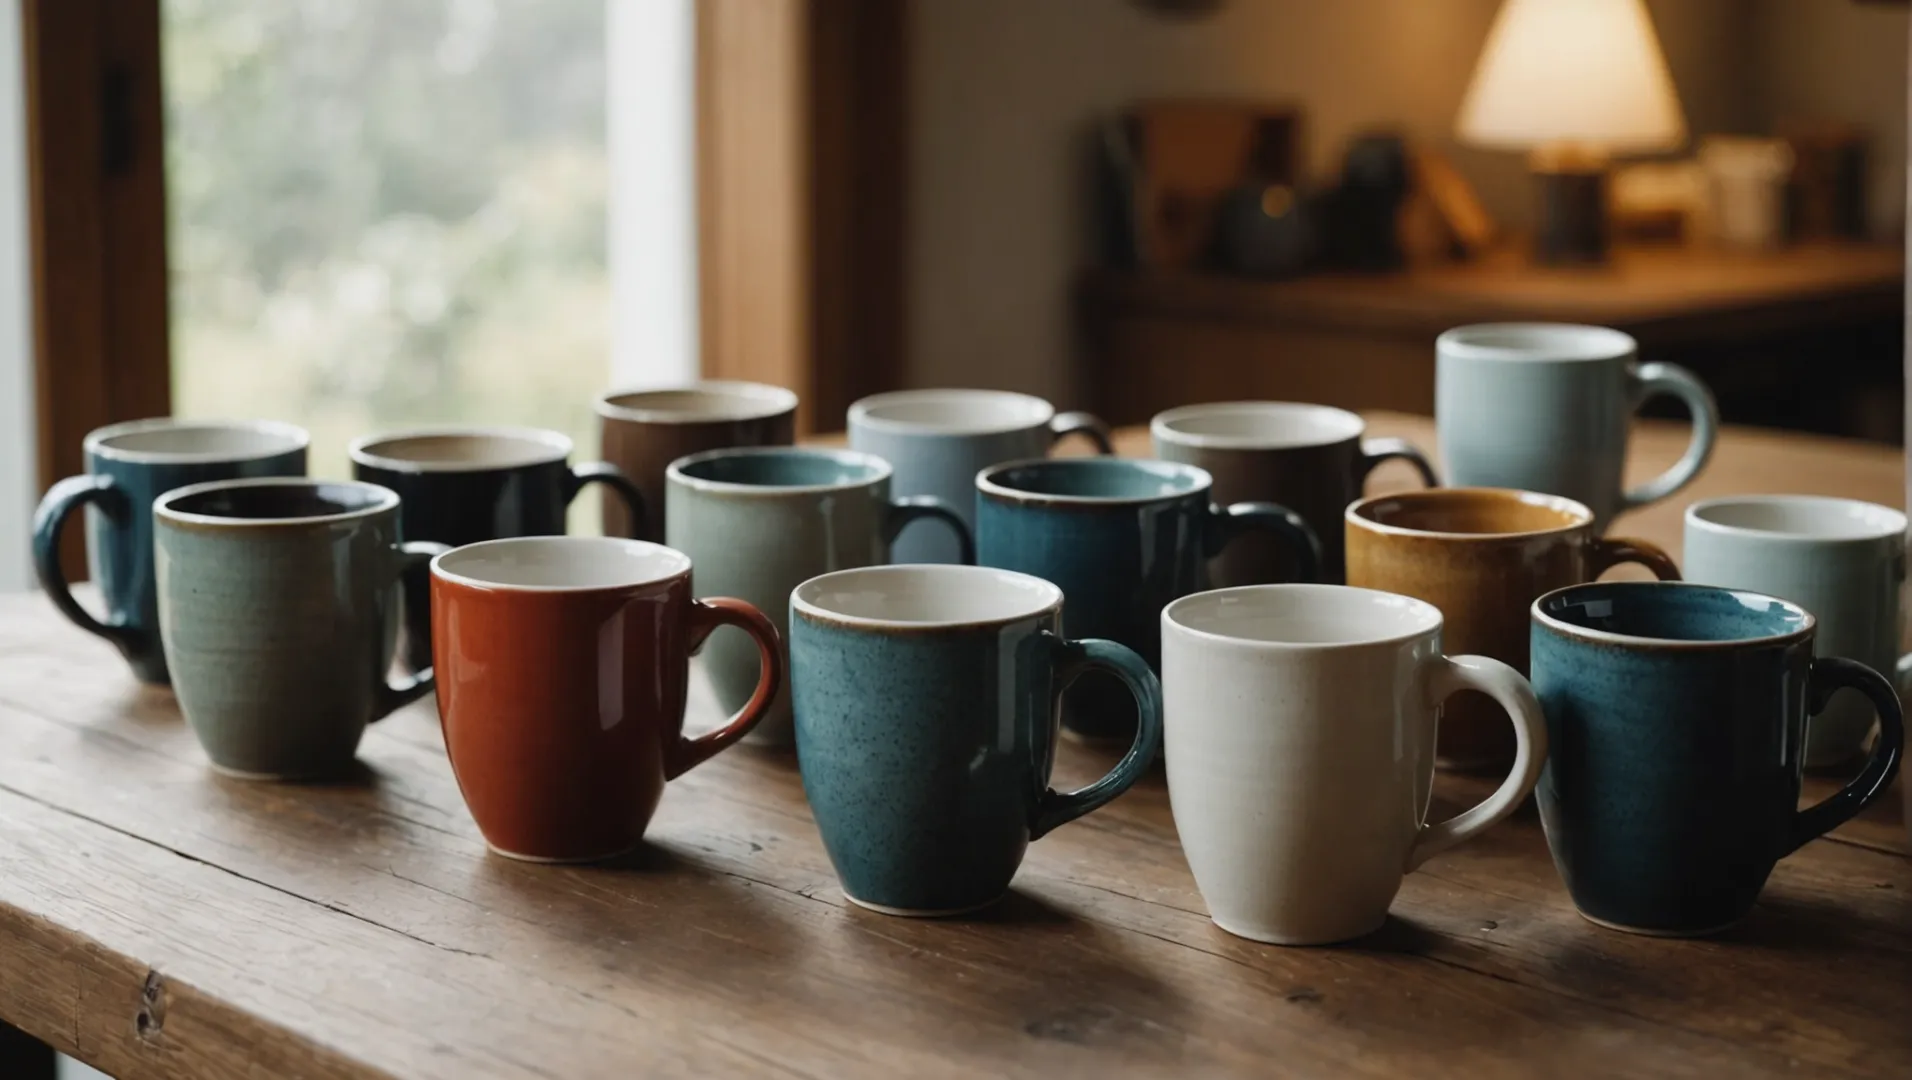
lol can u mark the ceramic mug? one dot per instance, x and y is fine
(1122, 538)
(759, 522)
(1299, 723)
(1312, 459)
(564, 665)
(1840, 559)
(461, 485)
(1483, 555)
(938, 440)
(643, 431)
(926, 722)
(278, 609)
(1677, 716)
(127, 467)
(1546, 407)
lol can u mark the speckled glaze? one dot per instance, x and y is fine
(278, 609)
(1547, 407)
(759, 522)
(1840, 559)
(1482, 555)
(643, 431)
(1309, 458)
(1122, 538)
(458, 486)
(926, 724)
(938, 440)
(1677, 716)
(564, 665)
(127, 467)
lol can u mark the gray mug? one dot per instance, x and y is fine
(278, 609)
(1841, 559)
(938, 440)
(759, 521)
(1546, 407)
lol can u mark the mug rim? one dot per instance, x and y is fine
(753, 401)
(863, 411)
(1563, 342)
(94, 445)
(881, 470)
(1432, 621)
(1538, 615)
(986, 484)
(1893, 526)
(1160, 426)
(363, 450)
(1354, 515)
(678, 564)
(385, 500)
(801, 602)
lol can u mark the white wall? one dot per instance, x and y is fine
(18, 475)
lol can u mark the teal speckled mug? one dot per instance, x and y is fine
(278, 611)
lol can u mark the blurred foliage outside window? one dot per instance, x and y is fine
(387, 213)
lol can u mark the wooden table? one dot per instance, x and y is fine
(158, 920)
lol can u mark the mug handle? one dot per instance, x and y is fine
(1072, 659)
(1453, 674)
(1229, 522)
(392, 696)
(603, 472)
(1082, 423)
(1653, 380)
(1373, 452)
(915, 507)
(49, 521)
(1830, 673)
(706, 615)
(1605, 553)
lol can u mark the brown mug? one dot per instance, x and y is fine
(1483, 556)
(643, 431)
(563, 668)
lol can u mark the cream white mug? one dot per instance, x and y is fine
(1299, 724)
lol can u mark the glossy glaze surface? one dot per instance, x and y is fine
(759, 522)
(925, 725)
(127, 467)
(1482, 556)
(1309, 458)
(1677, 719)
(1547, 407)
(563, 687)
(1842, 560)
(643, 431)
(938, 440)
(1300, 725)
(1122, 538)
(278, 611)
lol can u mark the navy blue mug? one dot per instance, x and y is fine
(1124, 539)
(1676, 728)
(925, 705)
(127, 467)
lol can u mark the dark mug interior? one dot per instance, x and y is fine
(275, 502)
(1671, 611)
(1098, 478)
(783, 468)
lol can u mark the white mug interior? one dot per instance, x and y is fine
(1803, 517)
(1536, 342)
(716, 400)
(560, 562)
(925, 595)
(192, 440)
(1256, 425)
(1302, 616)
(952, 412)
(462, 449)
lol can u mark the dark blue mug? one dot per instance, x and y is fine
(925, 706)
(1123, 539)
(1676, 728)
(127, 467)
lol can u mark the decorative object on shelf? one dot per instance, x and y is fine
(1746, 190)
(1657, 200)
(1470, 229)
(1184, 159)
(1267, 231)
(1572, 82)
(1364, 211)
(1827, 196)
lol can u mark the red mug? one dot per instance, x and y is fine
(563, 663)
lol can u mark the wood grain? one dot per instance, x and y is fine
(160, 921)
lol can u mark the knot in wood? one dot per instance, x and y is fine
(151, 1017)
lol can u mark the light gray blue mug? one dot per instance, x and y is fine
(1841, 559)
(1547, 406)
(938, 440)
(759, 521)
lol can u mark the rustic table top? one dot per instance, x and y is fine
(158, 920)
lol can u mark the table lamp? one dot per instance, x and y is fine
(1572, 82)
